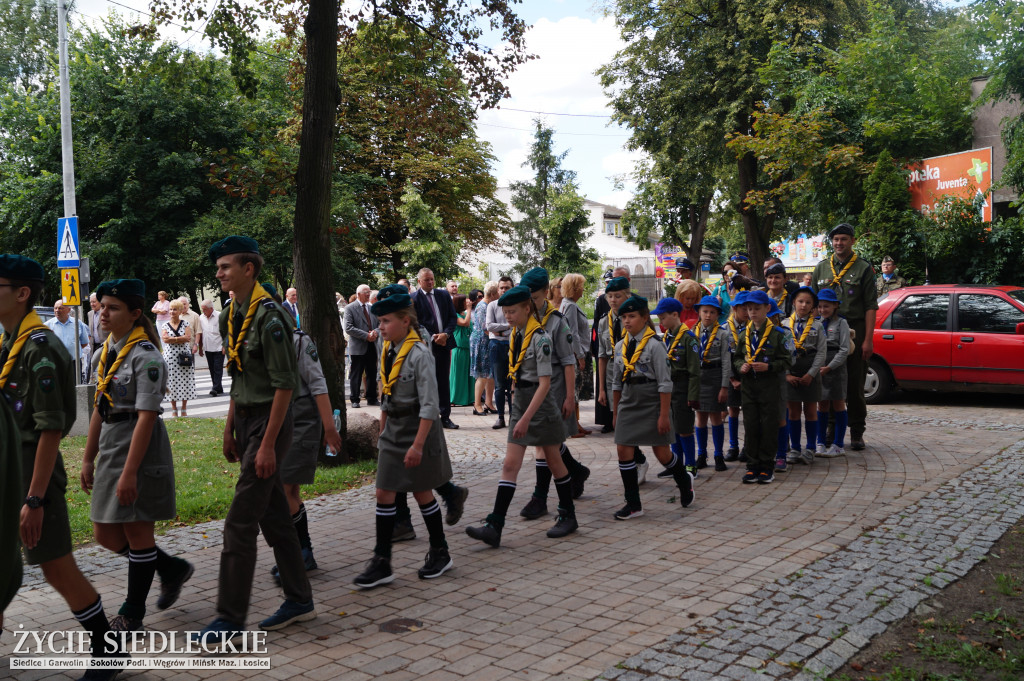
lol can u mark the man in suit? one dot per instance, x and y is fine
(436, 313)
(291, 303)
(361, 327)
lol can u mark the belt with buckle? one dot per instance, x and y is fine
(121, 416)
(253, 411)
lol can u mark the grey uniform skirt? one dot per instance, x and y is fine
(637, 420)
(558, 393)
(546, 427)
(435, 467)
(833, 384)
(710, 385)
(155, 478)
(299, 467)
(682, 415)
(803, 393)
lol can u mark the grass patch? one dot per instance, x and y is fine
(204, 479)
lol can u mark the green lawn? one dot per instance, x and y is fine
(204, 478)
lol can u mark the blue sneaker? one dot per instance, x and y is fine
(781, 466)
(288, 613)
(217, 632)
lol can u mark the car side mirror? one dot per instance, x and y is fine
(1020, 328)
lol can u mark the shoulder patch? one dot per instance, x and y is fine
(146, 345)
(44, 363)
(153, 372)
(311, 351)
(269, 304)
(47, 382)
(39, 337)
(790, 345)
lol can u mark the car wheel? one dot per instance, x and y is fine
(877, 382)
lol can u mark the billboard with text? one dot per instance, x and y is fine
(965, 175)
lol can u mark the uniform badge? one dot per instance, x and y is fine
(546, 349)
(122, 391)
(46, 383)
(277, 335)
(153, 373)
(18, 406)
(311, 351)
(789, 343)
(44, 363)
(570, 338)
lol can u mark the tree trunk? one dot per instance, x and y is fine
(756, 228)
(698, 215)
(313, 272)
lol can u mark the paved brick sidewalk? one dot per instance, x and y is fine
(539, 608)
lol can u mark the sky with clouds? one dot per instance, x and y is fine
(571, 40)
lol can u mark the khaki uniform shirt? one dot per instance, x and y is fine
(311, 374)
(267, 355)
(856, 292)
(141, 380)
(652, 363)
(882, 286)
(537, 360)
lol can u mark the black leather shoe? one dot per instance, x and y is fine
(857, 444)
(720, 464)
(447, 424)
(486, 533)
(500, 423)
(479, 413)
(456, 506)
(213, 393)
(607, 429)
(578, 481)
(535, 508)
(375, 403)
(733, 454)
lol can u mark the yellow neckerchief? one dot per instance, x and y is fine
(781, 299)
(680, 332)
(547, 315)
(735, 333)
(388, 382)
(103, 376)
(752, 354)
(29, 325)
(838, 278)
(515, 362)
(630, 364)
(803, 336)
(258, 295)
(697, 331)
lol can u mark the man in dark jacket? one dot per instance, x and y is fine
(436, 314)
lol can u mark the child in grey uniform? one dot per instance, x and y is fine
(833, 374)
(803, 391)
(133, 482)
(642, 394)
(713, 351)
(413, 454)
(535, 420)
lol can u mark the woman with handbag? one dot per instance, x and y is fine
(181, 372)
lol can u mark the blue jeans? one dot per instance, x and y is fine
(498, 352)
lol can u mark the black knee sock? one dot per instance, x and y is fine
(402, 515)
(543, 479)
(571, 464)
(301, 523)
(564, 488)
(169, 567)
(679, 474)
(435, 527)
(141, 569)
(631, 482)
(502, 500)
(639, 457)
(94, 620)
(447, 491)
(385, 528)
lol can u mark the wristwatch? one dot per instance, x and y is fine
(35, 502)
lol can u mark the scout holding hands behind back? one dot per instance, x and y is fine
(803, 381)
(715, 371)
(413, 453)
(133, 482)
(833, 374)
(642, 392)
(535, 419)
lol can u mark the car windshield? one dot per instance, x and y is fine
(1017, 295)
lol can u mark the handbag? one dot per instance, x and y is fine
(185, 358)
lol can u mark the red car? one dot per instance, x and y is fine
(948, 337)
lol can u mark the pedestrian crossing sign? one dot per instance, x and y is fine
(70, 289)
(68, 252)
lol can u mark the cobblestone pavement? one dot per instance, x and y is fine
(753, 579)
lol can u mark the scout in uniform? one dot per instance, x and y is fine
(685, 371)
(413, 453)
(37, 380)
(775, 277)
(313, 422)
(853, 281)
(765, 355)
(535, 419)
(609, 333)
(889, 281)
(782, 442)
(712, 350)
(735, 325)
(563, 375)
(10, 507)
(257, 335)
(833, 374)
(128, 467)
(642, 395)
(803, 390)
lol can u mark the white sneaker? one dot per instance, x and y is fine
(807, 457)
(793, 456)
(641, 472)
(834, 451)
(820, 451)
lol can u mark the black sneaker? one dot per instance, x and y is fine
(627, 512)
(733, 454)
(125, 623)
(486, 533)
(456, 506)
(403, 531)
(170, 589)
(499, 424)
(720, 464)
(686, 490)
(749, 478)
(743, 455)
(535, 508)
(564, 526)
(578, 481)
(702, 461)
(377, 572)
(765, 477)
(665, 474)
(437, 563)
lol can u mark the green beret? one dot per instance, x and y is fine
(21, 268)
(392, 290)
(842, 228)
(121, 289)
(269, 288)
(633, 304)
(516, 294)
(535, 279)
(393, 303)
(230, 245)
(617, 284)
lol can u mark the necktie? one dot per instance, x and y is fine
(631, 348)
(389, 361)
(517, 343)
(617, 329)
(105, 403)
(366, 313)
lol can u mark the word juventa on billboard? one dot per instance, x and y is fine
(966, 175)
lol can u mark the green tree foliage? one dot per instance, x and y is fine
(888, 225)
(27, 28)
(567, 227)
(433, 247)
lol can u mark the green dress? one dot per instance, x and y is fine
(460, 382)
